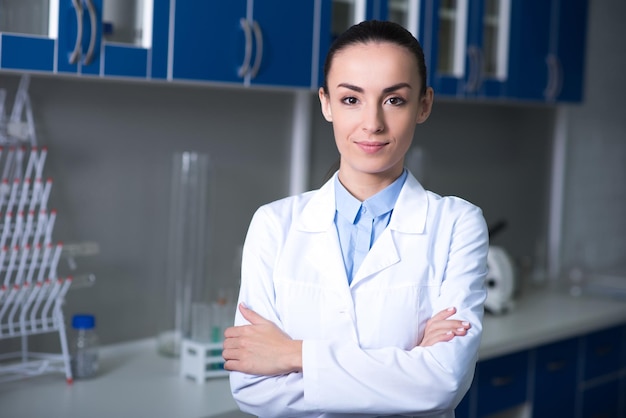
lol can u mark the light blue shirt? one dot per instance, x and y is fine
(359, 224)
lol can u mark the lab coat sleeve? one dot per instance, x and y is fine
(265, 396)
(341, 377)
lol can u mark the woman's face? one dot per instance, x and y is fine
(374, 103)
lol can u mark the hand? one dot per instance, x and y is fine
(260, 348)
(439, 328)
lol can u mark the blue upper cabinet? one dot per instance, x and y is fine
(549, 38)
(26, 41)
(255, 42)
(469, 51)
(107, 38)
(79, 36)
(339, 15)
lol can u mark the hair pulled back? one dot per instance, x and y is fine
(377, 31)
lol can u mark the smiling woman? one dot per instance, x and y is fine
(365, 297)
(373, 98)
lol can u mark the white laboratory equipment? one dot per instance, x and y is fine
(31, 292)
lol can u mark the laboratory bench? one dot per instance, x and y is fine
(135, 381)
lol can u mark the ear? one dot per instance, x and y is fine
(325, 104)
(426, 105)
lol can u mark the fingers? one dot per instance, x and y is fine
(445, 314)
(441, 328)
(250, 315)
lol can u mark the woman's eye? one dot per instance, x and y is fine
(396, 101)
(350, 100)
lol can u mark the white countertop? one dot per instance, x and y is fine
(135, 381)
(542, 316)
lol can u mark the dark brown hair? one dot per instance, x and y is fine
(377, 31)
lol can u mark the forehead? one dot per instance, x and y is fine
(374, 62)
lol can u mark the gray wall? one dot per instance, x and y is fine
(110, 147)
(594, 222)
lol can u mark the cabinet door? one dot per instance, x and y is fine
(470, 52)
(210, 40)
(548, 49)
(128, 36)
(160, 39)
(555, 380)
(447, 22)
(284, 43)
(26, 38)
(270, 43)
(79, 36)
(488, 51)
(571, 45)
(530, 42)
(603, 353)
(408, 13)
(501, 383)
(335, 17)
(602, 401)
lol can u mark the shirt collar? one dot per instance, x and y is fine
(382, 202)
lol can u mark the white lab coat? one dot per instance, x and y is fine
(359, 341)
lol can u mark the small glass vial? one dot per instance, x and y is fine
(84, 346)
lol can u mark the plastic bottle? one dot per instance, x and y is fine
(84, 346)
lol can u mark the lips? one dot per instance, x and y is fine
(370, 147)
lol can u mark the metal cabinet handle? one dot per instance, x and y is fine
(603, 350)
(472, 51)
(501, 381)
(93, 16)
(551, 87)
(258, 35)
(480, 76)
(245, 66)
(554, 366)
(78, 8)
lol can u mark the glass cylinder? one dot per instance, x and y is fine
(188, 248)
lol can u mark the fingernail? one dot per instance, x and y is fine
(460, 329)
(449, 333)
(450, 309)
(465, 323)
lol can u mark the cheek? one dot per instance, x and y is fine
(403, 127)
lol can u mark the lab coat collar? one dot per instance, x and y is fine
(409, 214)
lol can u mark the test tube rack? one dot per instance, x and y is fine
(31, 293)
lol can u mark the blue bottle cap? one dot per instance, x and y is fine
(83, 321)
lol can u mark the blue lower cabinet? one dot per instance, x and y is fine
(501, 383)
(602, 401)
(602, 352)
(463, 410)
(555, 379)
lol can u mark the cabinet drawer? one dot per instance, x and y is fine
(602, 401)
(602, 352)
(502, 383)
(554, 385)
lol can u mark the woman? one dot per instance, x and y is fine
(363, 298)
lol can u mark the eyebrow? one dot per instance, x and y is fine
(385, 90)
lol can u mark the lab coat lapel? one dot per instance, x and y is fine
(382, 255)
(317, 221)
(409, 217)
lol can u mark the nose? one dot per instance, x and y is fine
(373, 119)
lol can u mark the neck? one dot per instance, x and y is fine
(364, 186)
